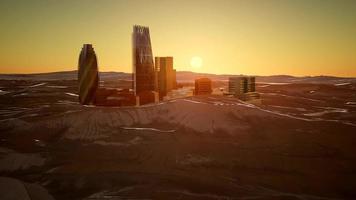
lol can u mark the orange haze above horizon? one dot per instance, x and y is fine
(252, 37)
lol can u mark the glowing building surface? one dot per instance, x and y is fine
(165, 74)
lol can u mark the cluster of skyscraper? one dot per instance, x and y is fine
(151, 81)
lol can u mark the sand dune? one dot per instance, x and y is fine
(293, 145)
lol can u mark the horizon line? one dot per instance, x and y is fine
(207, 73)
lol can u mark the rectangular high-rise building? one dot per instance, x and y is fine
(143, 66)
(166, 75)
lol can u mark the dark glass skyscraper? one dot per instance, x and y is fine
(143, 66)
(88, 77)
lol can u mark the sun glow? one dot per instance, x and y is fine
(196, 62)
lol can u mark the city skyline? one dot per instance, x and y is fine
(298, 38)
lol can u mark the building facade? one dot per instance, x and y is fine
(203, 86)
(143, 66)
(251, 84)
(88, 77)
(242, 84)
(243, 87)
(165, 75)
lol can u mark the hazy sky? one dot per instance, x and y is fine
(256, 37)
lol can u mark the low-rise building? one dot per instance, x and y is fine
(146, 97)
(115, 97)
(243, 87)
(203, 86)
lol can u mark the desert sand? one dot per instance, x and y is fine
(299, 143)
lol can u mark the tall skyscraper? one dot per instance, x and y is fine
(166, 75)
(143, 66)
(88, 77)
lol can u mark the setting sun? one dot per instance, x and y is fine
(196, 62)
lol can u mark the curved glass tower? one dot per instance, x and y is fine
(88, 77)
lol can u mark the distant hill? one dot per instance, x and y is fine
(63, 75)
(182, 76)
(186, 76)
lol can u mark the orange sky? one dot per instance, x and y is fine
(255, 37)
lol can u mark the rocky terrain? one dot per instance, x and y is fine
(298, 143)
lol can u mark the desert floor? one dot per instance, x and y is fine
(299, 143)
